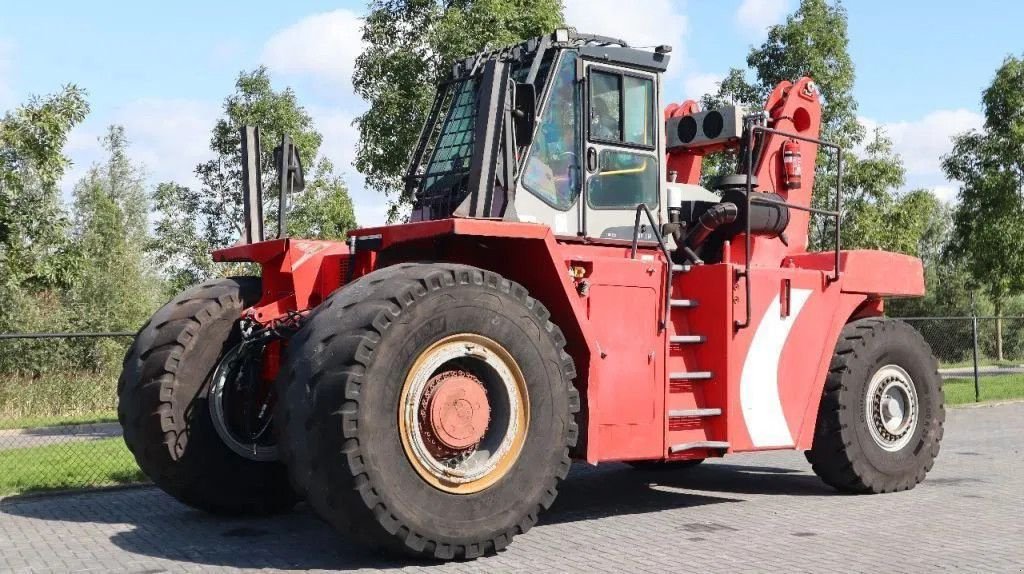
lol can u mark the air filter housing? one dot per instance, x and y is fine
(716, 126)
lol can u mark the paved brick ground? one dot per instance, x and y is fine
(751, 513)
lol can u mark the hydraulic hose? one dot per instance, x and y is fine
(715, 217)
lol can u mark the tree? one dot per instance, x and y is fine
(32, 162)
(35, 260)
(177, 247)
(410, 46)
(115, 288)
(190, 223)
(811, 42)
(989, 218)
(324, 210)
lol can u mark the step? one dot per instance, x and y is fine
(683, 302)
(690, 375)
(676, 268)
(699, 444)
(695, 412)
(685, 339)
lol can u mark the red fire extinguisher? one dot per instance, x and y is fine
(791, 163)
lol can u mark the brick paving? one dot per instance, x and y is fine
(745, 513)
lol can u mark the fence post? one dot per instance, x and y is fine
(974, 329)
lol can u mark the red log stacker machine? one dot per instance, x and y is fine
(564, 289)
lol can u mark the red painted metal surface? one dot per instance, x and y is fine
(697, 388)
(455, 410)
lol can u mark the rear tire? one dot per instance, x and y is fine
(881, 414)
(348, 390)
(163, 404)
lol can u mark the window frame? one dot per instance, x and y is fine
(542, 115)
(652, 106)
(637, 153)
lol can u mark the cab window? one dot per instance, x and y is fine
(624, 180)
(621, 109)
(552, 171)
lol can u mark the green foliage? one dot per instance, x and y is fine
(32, 219)
(180, 252)
(324, 210)
(989, 218)
(115, 288)
(191, 222)
(876, 215)
(410, 46)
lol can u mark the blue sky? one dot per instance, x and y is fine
(163, 69)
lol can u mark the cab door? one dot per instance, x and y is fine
(622, 166)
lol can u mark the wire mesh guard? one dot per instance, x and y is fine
(448, 146)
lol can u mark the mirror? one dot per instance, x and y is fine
(524, 113)
(293, 179)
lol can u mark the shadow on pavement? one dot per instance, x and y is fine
(167, 530)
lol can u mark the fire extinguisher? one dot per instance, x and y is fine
(791, 163)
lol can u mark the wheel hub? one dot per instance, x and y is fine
(463, 413)
(891, 408)
(454, 413)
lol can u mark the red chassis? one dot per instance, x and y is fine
(760, 376)
(624, 360)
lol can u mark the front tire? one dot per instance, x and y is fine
(448, 395)
(881, 414)
(163, 404)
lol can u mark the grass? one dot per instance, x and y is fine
(57, 399)
(982, 362)
(960, 391)
(68, 465)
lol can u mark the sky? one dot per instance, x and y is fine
(162, 70)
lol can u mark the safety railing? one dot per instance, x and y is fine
(753, 130)
(641, 209)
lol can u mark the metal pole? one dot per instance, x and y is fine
(974, 329)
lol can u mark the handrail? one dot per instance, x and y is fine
(745, 273)
(642, 208)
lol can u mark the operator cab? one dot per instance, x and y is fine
(563, 130)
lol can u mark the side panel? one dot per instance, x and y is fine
(627, 380)
(778, 364)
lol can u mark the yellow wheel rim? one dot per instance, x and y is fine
(433, 448)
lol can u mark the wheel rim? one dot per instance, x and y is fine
(232, 410)
(891, 408)
(463, 413)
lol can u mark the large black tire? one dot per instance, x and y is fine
(162, 404)
(341, 386)
(845, 454)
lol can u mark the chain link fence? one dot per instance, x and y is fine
(980, 358)
(58, 426)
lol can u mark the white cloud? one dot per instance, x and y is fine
(167, 136)
(339, 146)
(946, 193)
(324, 46)
(922, 143)
(756, 16)
(656, 22)
(696, 85)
